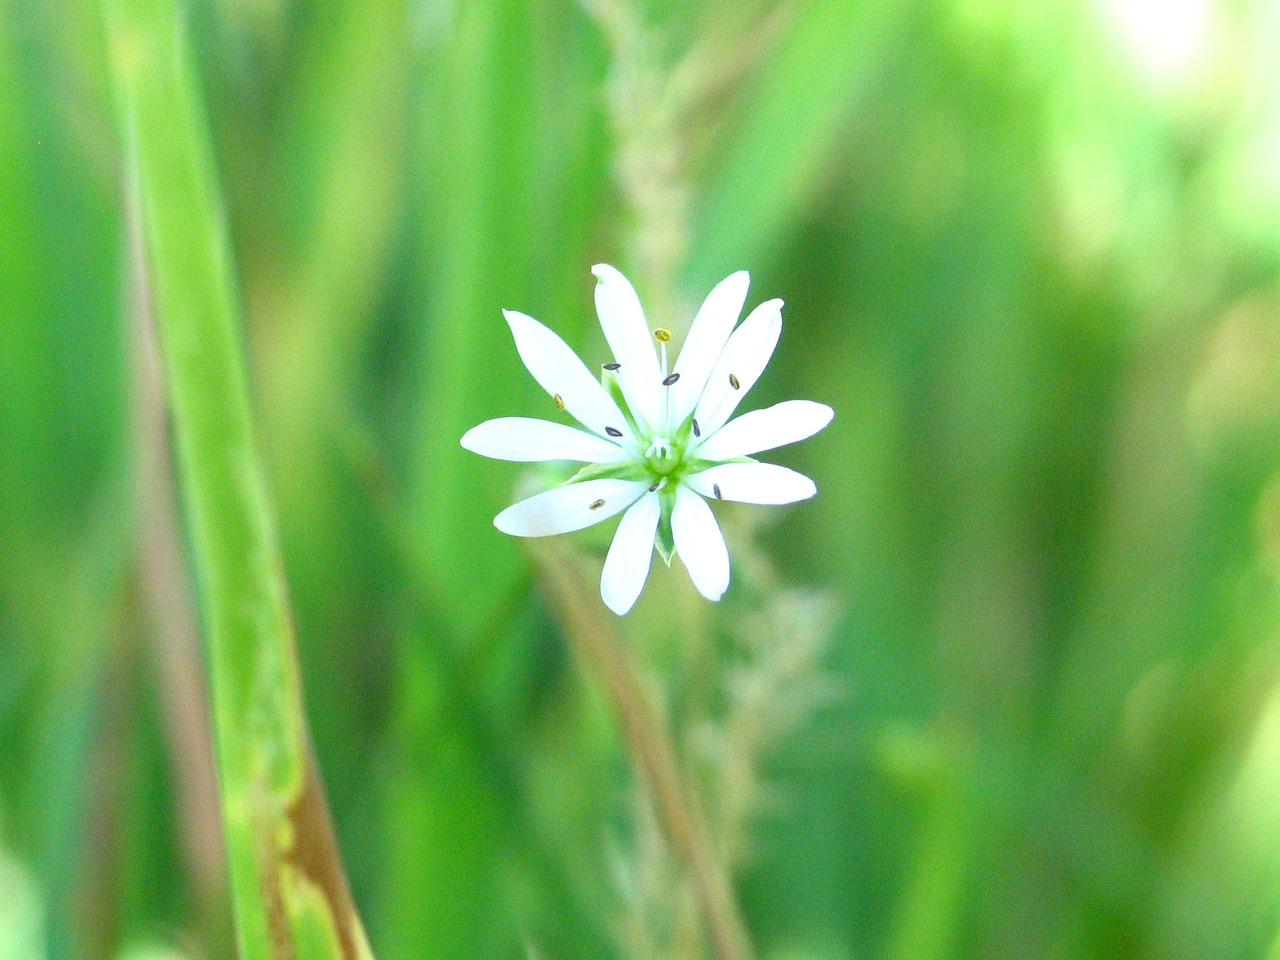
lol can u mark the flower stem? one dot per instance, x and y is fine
(650, 747)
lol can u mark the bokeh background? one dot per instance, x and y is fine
(1029, 253)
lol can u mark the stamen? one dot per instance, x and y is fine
(696, 431)
(662, 335)
(733, 382)
(612, 366)
(656, 484)
(715, 488)
(597, 505)
(559, 401)
(671, 379)
(613, 431)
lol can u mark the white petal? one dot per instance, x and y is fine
(707, 337)
(624, 326)
(776, 426)
(627, 566)
(742, 361)
(559, 372)
(753, 483)
(700, 544)
(526, 440)
(570, 507)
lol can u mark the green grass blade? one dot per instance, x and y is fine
(289, 892)
(789, 128)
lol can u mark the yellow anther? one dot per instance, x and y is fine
(662, 334)
(559, 401)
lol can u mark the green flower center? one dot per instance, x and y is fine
(662, 457)
(666, 454)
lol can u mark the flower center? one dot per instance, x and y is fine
(662, 457)
(659, 448)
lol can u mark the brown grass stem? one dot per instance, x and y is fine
(649, 744)
(167, 597)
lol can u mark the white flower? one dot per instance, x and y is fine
(659, 441)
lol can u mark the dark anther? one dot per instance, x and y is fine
(613, 431)
(671, 379)
(715, 488)
(656, 485)
(612, 366)
(597, 505)
(696, 431)
(733, 382)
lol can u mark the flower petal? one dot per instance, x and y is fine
(527, 440)
(700, 544)
(741, 362)
(765, 483)
(567, 508)
(776, 426)
(706, 339)
(559, 372)
(624, 326)
(627, 566)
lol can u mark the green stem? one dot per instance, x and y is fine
(289, 893)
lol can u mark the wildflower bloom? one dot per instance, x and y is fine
(658, 440)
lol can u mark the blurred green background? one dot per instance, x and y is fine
(1029, 253)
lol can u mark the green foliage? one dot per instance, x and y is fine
(1029, 256)
(287, 902)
